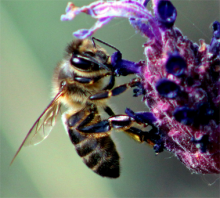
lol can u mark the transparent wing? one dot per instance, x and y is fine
(43, 125)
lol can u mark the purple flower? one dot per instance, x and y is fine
(104, 12)
(181, 79)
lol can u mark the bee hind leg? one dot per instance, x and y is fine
(152, 137)
(121, 122)
(124, 123)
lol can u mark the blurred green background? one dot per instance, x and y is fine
(32, 41)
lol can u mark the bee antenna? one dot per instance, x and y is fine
(93, 40)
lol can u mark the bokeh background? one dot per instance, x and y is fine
(32, 41)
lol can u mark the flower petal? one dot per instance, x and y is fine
(104, 12)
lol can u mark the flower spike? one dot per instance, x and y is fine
(180, 79)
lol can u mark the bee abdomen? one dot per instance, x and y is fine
(98, 153)
(104, 160)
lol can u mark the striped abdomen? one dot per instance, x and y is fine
(98, 153)
(97, 150)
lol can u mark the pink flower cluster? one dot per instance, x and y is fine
(181, 79)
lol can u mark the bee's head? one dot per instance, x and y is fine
(84, 56)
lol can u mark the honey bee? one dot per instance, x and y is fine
(79, 85)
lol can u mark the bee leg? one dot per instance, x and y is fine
(121, 122)
(82, 121)
(92, 80)
(111, 83)
(116, 91)
(124, 122)
(100, 127)
(84, 80)
(151, 137)
(109, 111)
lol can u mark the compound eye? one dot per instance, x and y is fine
(83, 63)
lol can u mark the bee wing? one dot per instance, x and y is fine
(43, 125)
